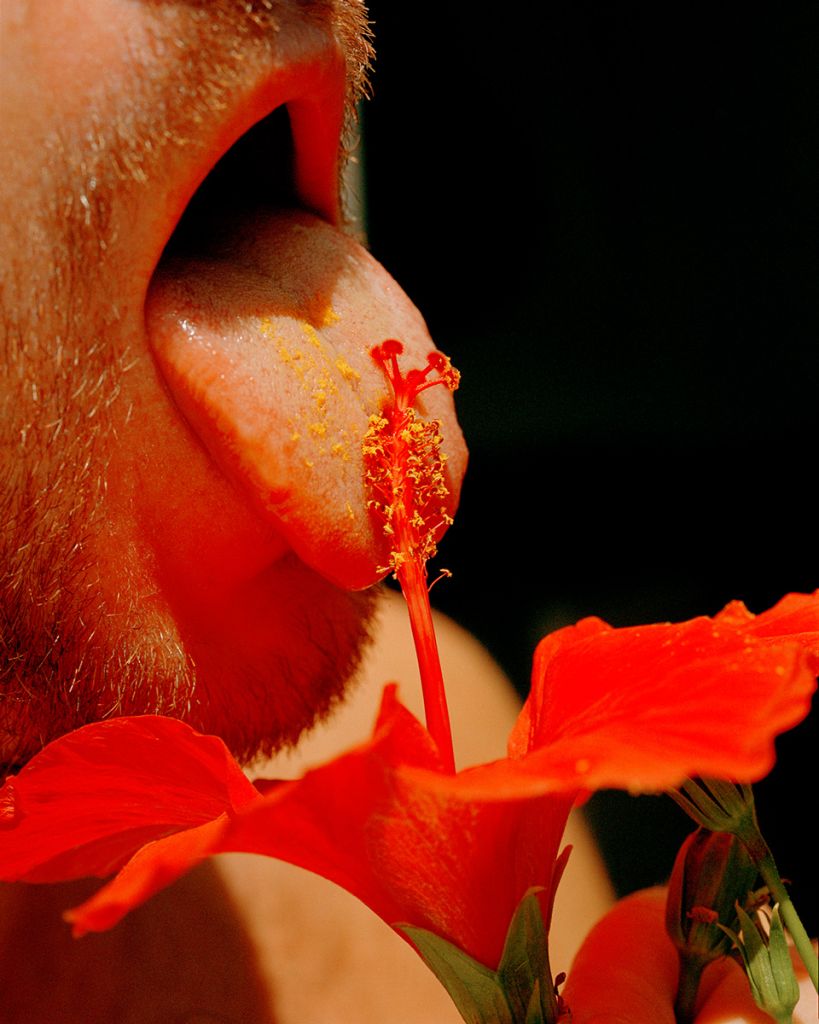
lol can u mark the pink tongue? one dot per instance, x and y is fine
(265, 348)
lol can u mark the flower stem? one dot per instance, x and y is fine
(759, 850)
(412, 577)
(691, 969)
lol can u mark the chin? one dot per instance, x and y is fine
(267, 665)
(278, 660)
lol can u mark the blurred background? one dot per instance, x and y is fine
(609, 221)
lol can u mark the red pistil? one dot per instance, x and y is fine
(405, 469)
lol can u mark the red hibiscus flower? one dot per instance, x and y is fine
(450, 853)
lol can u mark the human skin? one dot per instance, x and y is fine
(168, 544)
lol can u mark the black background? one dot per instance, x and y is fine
(609, 222)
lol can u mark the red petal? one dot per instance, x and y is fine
(413, 851)
(794, 618)
(644, 707)
(92, 798)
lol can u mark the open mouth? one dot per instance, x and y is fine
(255, 176)
(273, 143)
(261, 315)
(279, 148)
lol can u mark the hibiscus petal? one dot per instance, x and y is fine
(316, 822)
(415, 852)
(794, 618)
(644, 707)
(90, 799)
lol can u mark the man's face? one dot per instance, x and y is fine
(184, 524)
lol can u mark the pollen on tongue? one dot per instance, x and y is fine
(264, 344)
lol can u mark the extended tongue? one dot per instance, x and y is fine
(265, 345)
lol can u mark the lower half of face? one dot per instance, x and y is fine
(183, 516)
(186, 528)
(144, 569)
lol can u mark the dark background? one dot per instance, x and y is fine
(609, 222)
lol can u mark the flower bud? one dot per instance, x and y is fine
(712, 872)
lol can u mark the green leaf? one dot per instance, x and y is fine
(472, 987)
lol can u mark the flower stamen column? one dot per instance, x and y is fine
(404, 468)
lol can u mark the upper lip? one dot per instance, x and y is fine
(311, 85)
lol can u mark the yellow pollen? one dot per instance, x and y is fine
(330, 317)
(312, 336)
(346, 371)
(403, 465)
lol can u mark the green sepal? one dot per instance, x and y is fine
(770, 971)
(768, 966)
(473, 988)
(782, 971)
(524, 965)
(521, 991)
(719, 806)
(534, 1011)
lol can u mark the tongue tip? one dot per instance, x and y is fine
(354, 555)
(345, 559)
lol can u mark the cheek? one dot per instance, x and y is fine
(58, 61)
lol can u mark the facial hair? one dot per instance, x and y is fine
(72, 650)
